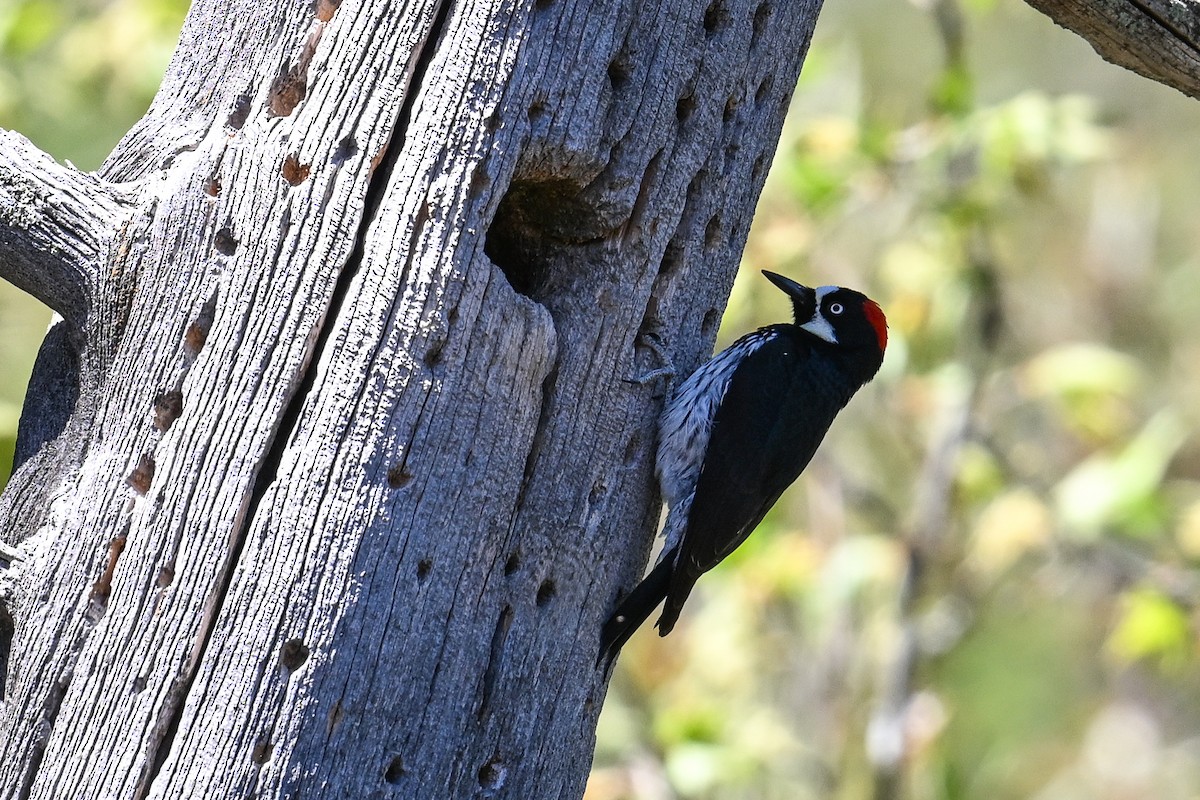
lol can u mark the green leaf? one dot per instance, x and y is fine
(1114, 490)
(1151, 626)
(9, 414)
(29, 26)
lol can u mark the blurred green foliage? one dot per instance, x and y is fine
(986, 585)
(74, 76)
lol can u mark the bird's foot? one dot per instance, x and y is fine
(652, 376)
(650, 340)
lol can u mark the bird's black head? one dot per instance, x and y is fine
(837, 315)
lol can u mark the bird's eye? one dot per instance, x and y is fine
(836, 308)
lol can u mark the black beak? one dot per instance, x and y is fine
(804, 299)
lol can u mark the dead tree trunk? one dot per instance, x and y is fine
(332, 469)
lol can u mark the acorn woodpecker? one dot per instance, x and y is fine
(740, 430)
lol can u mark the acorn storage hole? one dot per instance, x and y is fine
(293, 654)
(394, 770)
(716, 17)
(492, 775)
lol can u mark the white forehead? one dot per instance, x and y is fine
(818, 325)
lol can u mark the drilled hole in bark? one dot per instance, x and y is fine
(631, 448)
(398, 476)
(287, 90)
(716, 16)
(764, 88)
(759, 168)
(139, 480)
(684, 108)
(261, 754)
(7, 629)
(424, 566)
(212, 186)
(537, 109)
(196, 333)
(542, 4)
(672, 258)
(240, 112)
(293, 171)
(326, 9)
(492, 775)
(195, 337)
(224, 242)
(394, 770)
(168, 406)
(102, 588)
(433, 355)
(710, 323)
(513, 563)
(346, 148)
(599, 490)
(546, 592)
(618, 73)
(293, 654)
(761, 15)
(166, 576)
(712, 231)
(138, 685)
(731, 106)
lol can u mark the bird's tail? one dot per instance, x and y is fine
(634, 609)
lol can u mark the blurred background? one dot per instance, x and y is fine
(74, 76)
(987, 583)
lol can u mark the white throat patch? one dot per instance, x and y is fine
(818, 325)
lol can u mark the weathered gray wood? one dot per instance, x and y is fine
(352, 484)
(56, 226)
(1158, 39)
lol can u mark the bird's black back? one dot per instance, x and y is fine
(763, 436)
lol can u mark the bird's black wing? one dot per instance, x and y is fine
(773, 416)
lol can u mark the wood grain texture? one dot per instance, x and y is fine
(1158, 39)
(344, 503)
(56, 227)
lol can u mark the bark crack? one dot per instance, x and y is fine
(290, 418)
(1166, 24)
(495, 662)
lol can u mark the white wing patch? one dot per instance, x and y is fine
(686, 422)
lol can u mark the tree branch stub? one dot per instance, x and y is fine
(56, 227)
(1158, 39)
